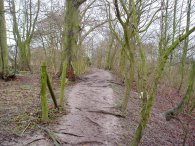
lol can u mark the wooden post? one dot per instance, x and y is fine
(44, 106)
(62, 85)
(51, 91)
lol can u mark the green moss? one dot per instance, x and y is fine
(61, 98)
(44, 104)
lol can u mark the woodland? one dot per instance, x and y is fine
(97, 72)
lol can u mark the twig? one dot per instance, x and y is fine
(25, 129)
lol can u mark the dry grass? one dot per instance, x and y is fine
(20, 104)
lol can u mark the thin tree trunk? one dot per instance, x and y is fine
(170, 113)
(185, 48)
(62, 99)
(161, 65)
(174, 26)
(24, 36)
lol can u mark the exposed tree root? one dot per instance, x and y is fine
(103, 86)
(117, 83)
(51, 135)
(8, 77)
(88, 142)
(108, 113)
(71, 134)
(34, 141)
(92, 121)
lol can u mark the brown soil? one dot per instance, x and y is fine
(93, 118)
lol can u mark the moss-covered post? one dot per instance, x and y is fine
(62, 85)
(44, 106)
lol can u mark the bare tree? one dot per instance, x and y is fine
(23, 30)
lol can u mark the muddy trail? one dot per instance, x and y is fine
(93, 119)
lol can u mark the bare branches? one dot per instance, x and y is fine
(77, 3)
(118, 15)
(150, 22)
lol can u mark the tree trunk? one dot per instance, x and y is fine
(71, 28)
(24, 56)
(3, 43)
(161, 65)
(61, 99)
(23, 35)
(185, 48)
(170, 113)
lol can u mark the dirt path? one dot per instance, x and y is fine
(92, 119)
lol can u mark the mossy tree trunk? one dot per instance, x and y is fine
(161, 65)
(128, 48)
(63, 79)
(174, 26)
(132, 41)
(3, 43)
(143, 68)
(70, 34)
(24, 55)
(109, 54)
(185, 48)
(170, 113)
(23, 34)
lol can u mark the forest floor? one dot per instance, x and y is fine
(93, 117)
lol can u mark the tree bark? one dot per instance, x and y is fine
(170, 113)
(161, 65)
(61, 102)
(70, 35)
(3, 43)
